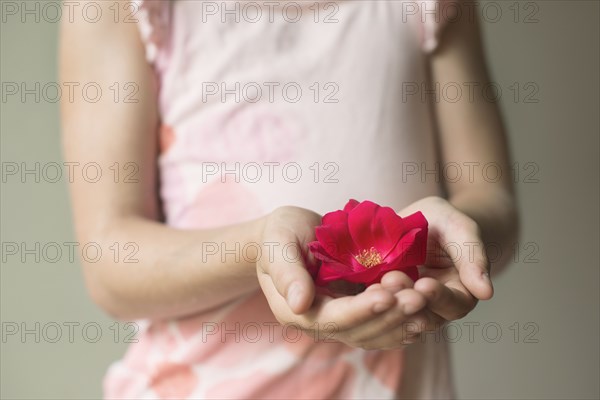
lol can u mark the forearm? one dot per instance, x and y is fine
(472, 131)
(166, 272)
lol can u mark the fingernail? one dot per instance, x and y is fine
(381, 307)
(486, 278)
(294, 295)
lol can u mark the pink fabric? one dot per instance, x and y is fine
(354, 146)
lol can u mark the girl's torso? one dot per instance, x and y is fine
(266, 104)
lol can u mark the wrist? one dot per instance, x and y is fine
(255, 238)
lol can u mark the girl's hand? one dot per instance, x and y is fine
(456, 272)
(373, 319)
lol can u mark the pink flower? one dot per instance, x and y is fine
(362, 242)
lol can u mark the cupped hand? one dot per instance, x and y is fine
(455, 275)
(373, 319)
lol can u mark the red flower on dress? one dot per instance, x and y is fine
(362, 242)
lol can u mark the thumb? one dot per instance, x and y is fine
(462, 241)
(286, 267)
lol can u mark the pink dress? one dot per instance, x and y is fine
(283, 103)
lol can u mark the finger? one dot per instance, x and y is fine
(462, 239)
(422, 322)
(414, 325)
(410, 331)
(450, 303)
(437, 257)
(341, 313)
(395, 281)
(284, 263)
(408, 302)
(348, 312)
(375, 286)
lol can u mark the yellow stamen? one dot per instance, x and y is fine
(369, 258)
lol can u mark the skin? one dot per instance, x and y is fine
(173, 276)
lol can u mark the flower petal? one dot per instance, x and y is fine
(335, 217)
(320, 253)
(331, 271)
(360, 226)
(390, 228)
(373, 226)
(416, 220)
(411, 249)
(350, 205)
(412, 272)
(361, 223)
(336, 241)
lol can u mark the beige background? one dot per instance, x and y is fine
(558, 296)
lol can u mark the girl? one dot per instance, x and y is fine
(234, 127)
